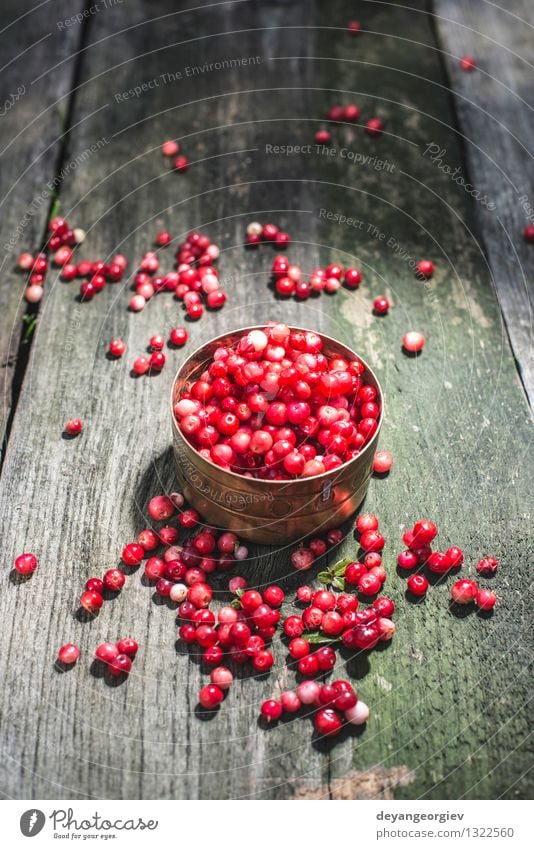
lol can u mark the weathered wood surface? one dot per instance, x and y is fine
(32, 114)
(496, 125)
(449, 695)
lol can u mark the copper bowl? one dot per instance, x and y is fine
(271, 512)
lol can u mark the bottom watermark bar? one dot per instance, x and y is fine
(363, 822)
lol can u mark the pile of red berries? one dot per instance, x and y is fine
(118, 657)
(335, 617)
(349, 114)
(156, 360)
(305, 556)
(335, 705)
(241, 631)
(195, 281)
(420, 553)
(257, 233)
(61, 243)
(273, 406)
(208, 550)
(289, 280)
(171, 150)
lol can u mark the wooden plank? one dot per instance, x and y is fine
(31, 125)
(496, 124)
(447, 709)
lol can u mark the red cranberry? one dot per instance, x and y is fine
(326, 656)
(407, 560)
(25, 564)
(381, 306)
(424, 532)
(464, 591)
(384, 606)
(455, 557)
(372, 541)
(178, 336)
(106, 652)
(425, 269)
(467, 63)
(141, 365)
(323, 137)
(354, 571)
(308, 665)
(91, 601)
(132, 554)
(417, 584)
(181, 163)
(271, 710)
(117, 347)
(128, 646)
(374, 127)
(68, 654)
(413, 342)
(290, 701)
(73, 427)
(114, 580)
(438, 563)
(487, 566)
(120, 665)
(95, 585)
(366, 522)
(485, 599)
(262, 661)
(328, 722)
(221, 677)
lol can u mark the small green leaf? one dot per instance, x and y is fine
(56, 205)
(324, 577)
(31, 322)
(338, 584)
(236, 603)
(316, 638)
(239, 592)
(339, 568)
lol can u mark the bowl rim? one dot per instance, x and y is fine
(262, 481)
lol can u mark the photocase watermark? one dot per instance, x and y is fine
(10, 101)
(51, 186)
(436, 155)
(170, 77)
(88, 12)
(231, 499)
(346, 153)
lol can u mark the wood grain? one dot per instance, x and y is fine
(448, 705)
(32, 114)
(496, 125)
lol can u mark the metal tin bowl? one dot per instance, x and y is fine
(271, 512)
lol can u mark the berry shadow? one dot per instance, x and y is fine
(324, 745)
(206, 715)
(411, 355)
(60, 667)
(485, 614)
(461, 611)
(414, 599)
(99, 669)
(357, 665)
(69, 437)
(17, 579)
(82, 615)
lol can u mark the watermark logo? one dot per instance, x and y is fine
(436, 155)
(32, 822)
